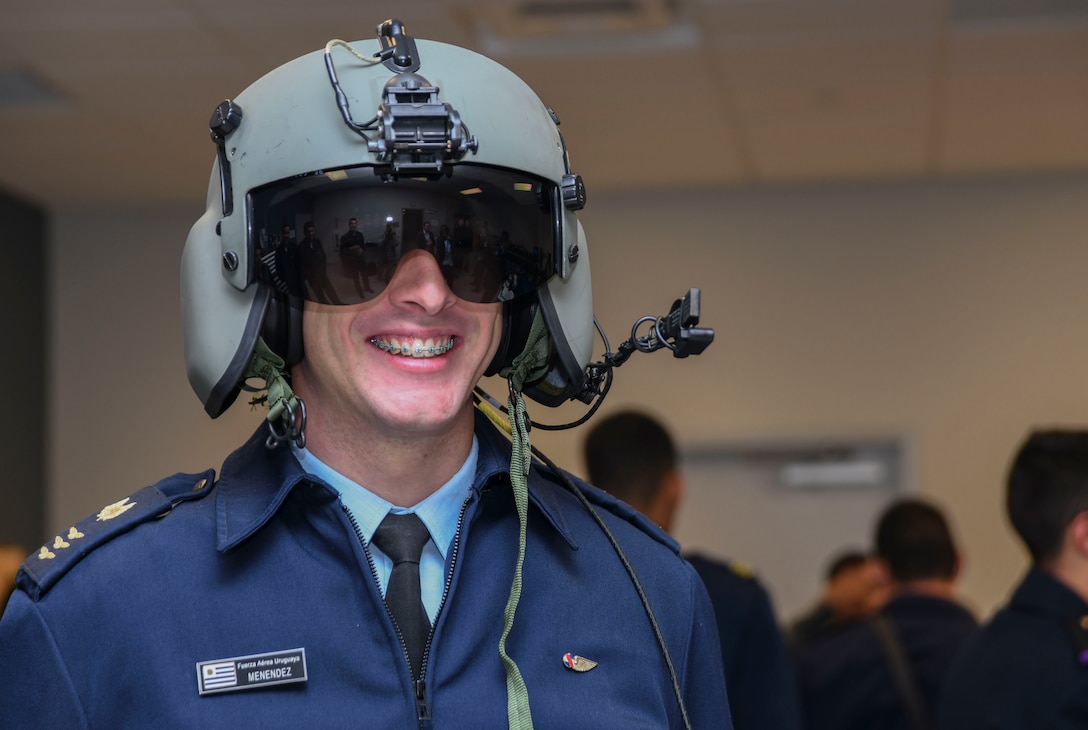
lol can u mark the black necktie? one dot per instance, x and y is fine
(402, 538)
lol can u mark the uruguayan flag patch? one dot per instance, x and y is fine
(252, 671)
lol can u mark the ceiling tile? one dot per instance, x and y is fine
(718, 91)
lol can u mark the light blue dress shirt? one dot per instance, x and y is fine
(440, 512)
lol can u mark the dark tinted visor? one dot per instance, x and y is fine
(335, 237)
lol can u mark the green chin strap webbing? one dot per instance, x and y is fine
(527, 367)
(283, 405)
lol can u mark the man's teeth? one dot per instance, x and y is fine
(414, 347)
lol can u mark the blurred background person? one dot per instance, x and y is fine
(313, 264)
(353, 258)
(855, 586)
(1028, 667)
(11, 557)
(885, 673)
(632, 456)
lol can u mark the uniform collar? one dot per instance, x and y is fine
(439, 511)
(545, 487)
(1042, 593)
(255, 481)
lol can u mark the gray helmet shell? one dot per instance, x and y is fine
(291, 125)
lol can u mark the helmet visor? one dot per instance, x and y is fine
(335, 237)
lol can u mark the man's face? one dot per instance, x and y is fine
(353, 224)
(860, 590)
(405, 362)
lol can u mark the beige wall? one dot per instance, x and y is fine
(950, 315)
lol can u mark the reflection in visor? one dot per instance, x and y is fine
(336, 237)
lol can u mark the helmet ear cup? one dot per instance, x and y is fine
(281, 328)
(517, 320)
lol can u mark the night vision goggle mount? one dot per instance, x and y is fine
(415, 133)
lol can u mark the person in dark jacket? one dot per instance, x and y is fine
(886, 672)
(354, 257)
(380, 553)
(1028, 667)
(631, 455)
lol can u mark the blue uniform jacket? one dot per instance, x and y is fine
(113, 616)
(1027, 669)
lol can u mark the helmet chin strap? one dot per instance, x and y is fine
(530, 365)
(284, 407)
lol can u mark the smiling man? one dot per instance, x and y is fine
(379, 554)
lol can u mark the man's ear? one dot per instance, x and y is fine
(676, 486)
(668, 499)
(881, 568)
(1078, 533)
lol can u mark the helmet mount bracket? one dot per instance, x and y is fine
(226, 118)
(574, 190)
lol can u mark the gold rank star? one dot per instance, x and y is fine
(115, 510)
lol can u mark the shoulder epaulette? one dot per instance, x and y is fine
(742, 570)
(55, 558)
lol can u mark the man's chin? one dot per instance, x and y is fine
(422, 412)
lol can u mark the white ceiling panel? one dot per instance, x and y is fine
(667, 92)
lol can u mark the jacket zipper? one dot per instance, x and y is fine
(423, 710)
(419, 686)
(374, 577)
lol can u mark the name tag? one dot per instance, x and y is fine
(250, 672)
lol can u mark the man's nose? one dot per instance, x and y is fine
(418, 282)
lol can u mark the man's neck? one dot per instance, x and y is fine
(934, 587)
(403, 469)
